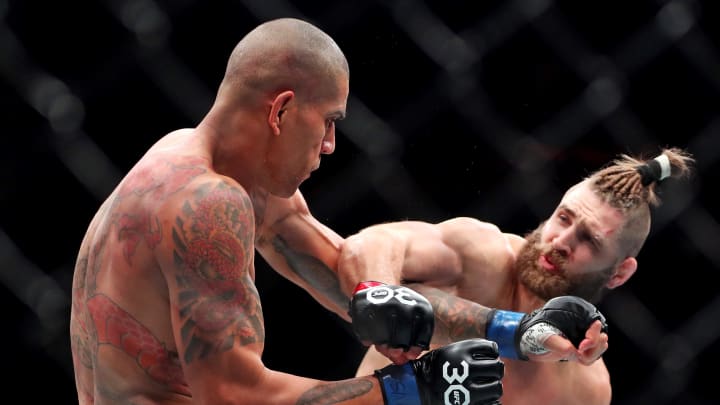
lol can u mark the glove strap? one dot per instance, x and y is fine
(501, 328)
(365, 285)
(399, 386)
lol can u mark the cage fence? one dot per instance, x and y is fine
(457, 108)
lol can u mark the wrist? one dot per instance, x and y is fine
(398, 385)
(501, 328)
(533, 339)
(364, 285)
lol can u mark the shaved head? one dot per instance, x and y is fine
(284, 54)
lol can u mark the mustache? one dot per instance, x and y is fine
(553, 256)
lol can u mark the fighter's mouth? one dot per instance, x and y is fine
(547, 264)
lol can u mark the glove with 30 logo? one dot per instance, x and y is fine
(468, 372)
(393, 315)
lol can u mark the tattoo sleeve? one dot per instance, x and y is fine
(455, 318)
(335, 392)
(312, 271)
(213, 249)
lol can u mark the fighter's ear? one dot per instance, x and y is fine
(622, 272)
(277, 109)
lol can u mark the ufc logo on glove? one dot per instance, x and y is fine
(400, 317)
(441, 376)
(456, 394)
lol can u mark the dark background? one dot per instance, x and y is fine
(487, 109)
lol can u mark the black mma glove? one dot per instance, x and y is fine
(465, 372)
(392, 315)
(567, 316)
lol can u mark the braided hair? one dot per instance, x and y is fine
(630, 185)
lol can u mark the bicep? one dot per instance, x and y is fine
(398, 252)
(431, 254)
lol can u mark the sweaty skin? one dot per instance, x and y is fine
(465, 267)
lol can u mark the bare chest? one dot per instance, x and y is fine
(536, 383)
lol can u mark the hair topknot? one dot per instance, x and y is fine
(627, 182)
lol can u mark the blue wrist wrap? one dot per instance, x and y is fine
(501, 329)
(399, 385)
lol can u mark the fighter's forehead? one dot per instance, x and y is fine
(585, 205)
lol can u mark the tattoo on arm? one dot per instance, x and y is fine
(312, 271)
(335, 392)
(455, 318)
(213, 249)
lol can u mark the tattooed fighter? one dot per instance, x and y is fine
(481, 281)
(165, 310)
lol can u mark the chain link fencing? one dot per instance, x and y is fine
(457, 108)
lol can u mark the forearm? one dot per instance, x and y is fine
(307, 271)
(303, 250)
(250, 382)
(432, 379)
(455, 318)
(568, 320)
(354, 391)
(359, 391)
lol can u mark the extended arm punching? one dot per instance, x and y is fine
(524, 336)
(422, 255)
(219, 330)
(303, 250)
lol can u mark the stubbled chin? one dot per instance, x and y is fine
(544, 283)
(540, 276)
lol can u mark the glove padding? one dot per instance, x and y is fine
(466, 372)
(392, 315)
(572, 315)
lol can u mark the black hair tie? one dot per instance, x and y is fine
(654, 170)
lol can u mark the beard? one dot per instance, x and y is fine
(547, 285)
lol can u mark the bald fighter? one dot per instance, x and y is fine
(164, 305)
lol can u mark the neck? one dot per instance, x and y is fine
(235, 148)
(524, 300)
